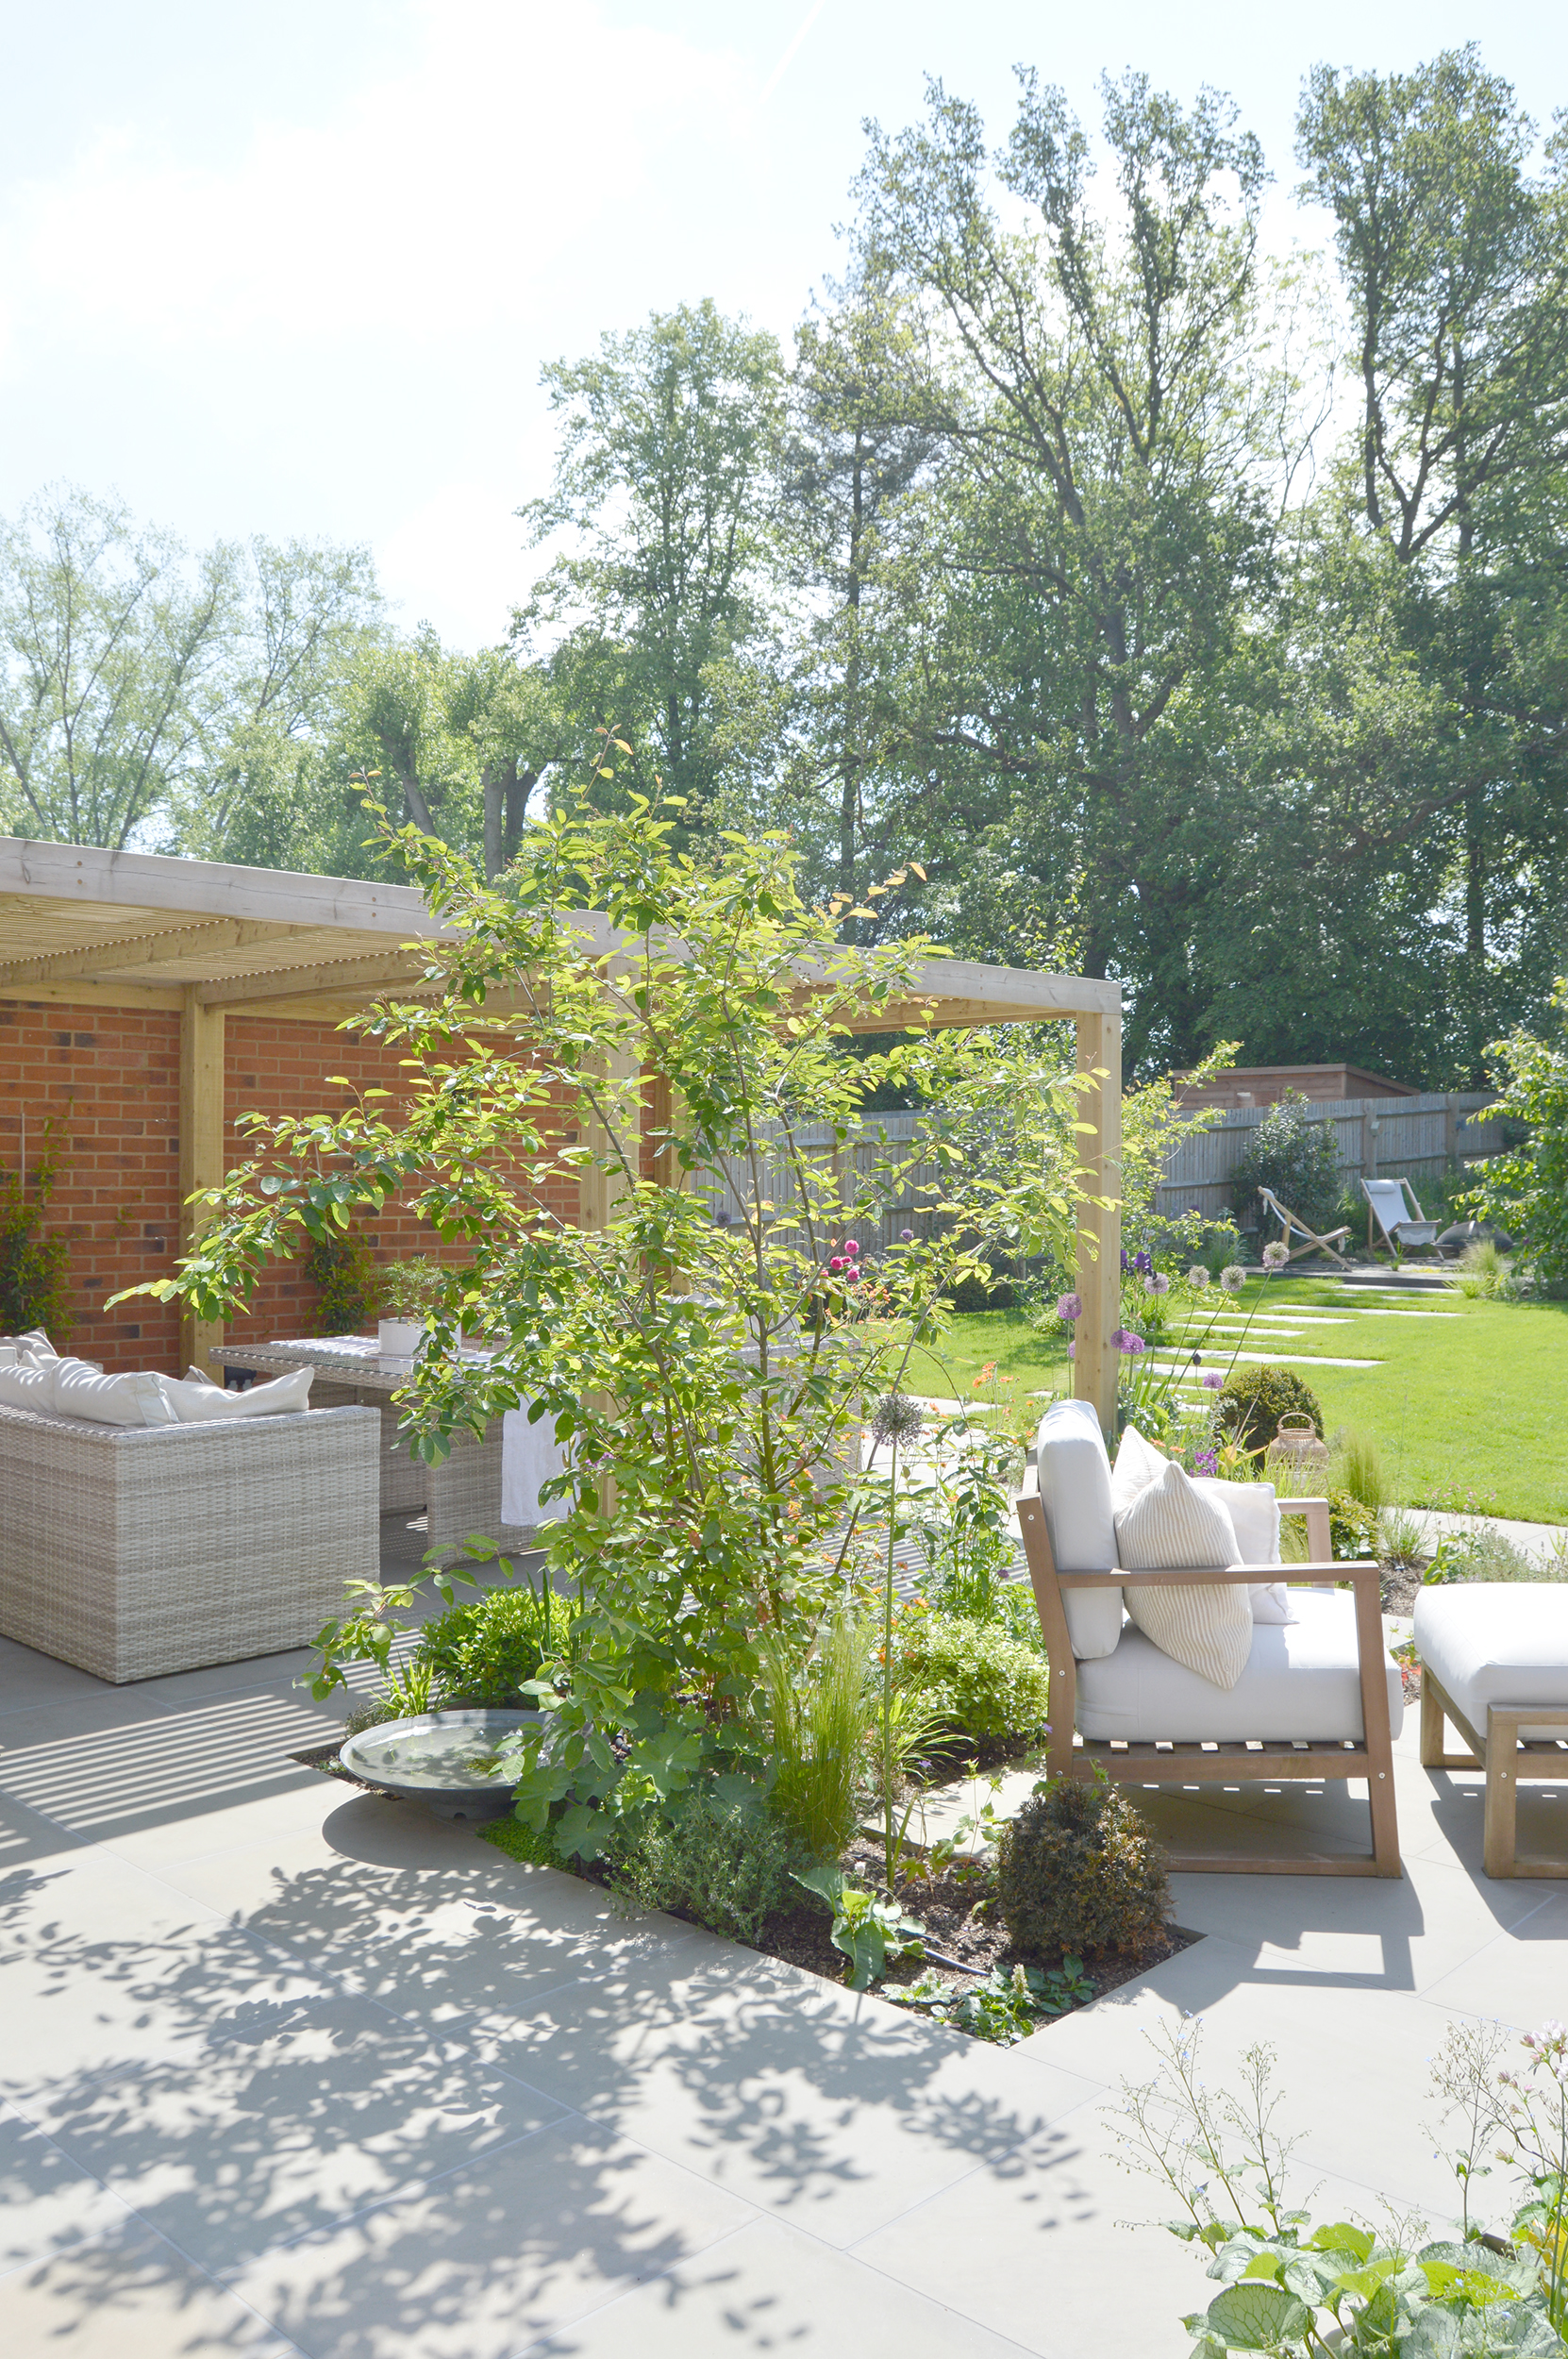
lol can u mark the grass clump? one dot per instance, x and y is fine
(974, 1675)
(819, 1717)
(1078, 1871)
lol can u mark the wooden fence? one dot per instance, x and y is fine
(1391, 1137)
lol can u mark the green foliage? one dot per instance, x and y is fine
(1485, 1274)
(817, 1721)
(1525, 1192)
(1002, 2008)
(1352, 1524)
(873, 1932)
(1297, 2291)
(1078, 1870)
(725, 1862)
(973, 1674)
(485, 1651)
(1296, 1159)
(1361, 1471)
(534, 1846)
(1482, 1554)
(1252, 1401)
(35, 1269)
(411, 1289)
(345, 1271)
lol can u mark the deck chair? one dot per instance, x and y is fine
(1289, 1221)
(1391, 1204)
(1318, 1698)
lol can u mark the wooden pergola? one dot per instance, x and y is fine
(82, 926)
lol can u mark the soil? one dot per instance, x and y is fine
(1401, 1587)
(955, 1910)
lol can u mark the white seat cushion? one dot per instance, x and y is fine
(196, 1400)
(1302, 1680)
(1496, 1642)
(1075, 1492)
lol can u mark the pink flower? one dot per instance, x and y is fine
(850, 1247)
(1070, 1307)
(836, 1264)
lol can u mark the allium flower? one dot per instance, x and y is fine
(1211, 1380)
(1275, 1256)
(1069, 1307)
(906, 1236)
(1198, 1359)
(1233, 1277)
(1072, 1351)
(1126, 1341)
(1157, 1284)
(896, 1418)
(1197, 1276)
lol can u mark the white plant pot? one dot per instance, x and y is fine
(399, 1338)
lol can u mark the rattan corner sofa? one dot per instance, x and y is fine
(134, 1551)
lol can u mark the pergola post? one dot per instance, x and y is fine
(1098, 1276)
(201, 1142)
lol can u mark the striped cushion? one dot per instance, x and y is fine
(1206, 1627)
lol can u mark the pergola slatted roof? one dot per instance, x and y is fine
(80, 924)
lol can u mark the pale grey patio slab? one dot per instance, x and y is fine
(769, 2289)
(1521, 1977)
(492, 2257)
(296, 2114)
(47, 2201)
(29, 1679)
(128, 2293)
(831, 2108)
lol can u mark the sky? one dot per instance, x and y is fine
(295, 268)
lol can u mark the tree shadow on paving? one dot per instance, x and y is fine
(476, 2051)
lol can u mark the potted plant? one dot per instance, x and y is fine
(409, 1289)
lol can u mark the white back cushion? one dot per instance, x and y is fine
(197, 1401)
(137, 1398)
(1075, 1492)
(1255, 1512)
(24, 1385)
(1138, 1464)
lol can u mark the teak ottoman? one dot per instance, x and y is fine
(1494, 1661)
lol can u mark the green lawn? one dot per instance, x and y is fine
(1469, 1411)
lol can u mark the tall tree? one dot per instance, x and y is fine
(1455, 262)
(664, 481)
(1107, 520)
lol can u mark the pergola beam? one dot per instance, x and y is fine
(120, 954)
(371, 973)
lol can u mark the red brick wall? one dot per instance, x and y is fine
(113, 1076)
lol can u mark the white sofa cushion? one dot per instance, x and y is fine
(1170, 1526)
(1254, 1510)
(1496, 1642)
(27, 1385)
(196, 1400)
(1074, 1473)
(1302, 1680)
(135, 1398)
(1138, 1464)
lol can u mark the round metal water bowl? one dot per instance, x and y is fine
(447, 1759)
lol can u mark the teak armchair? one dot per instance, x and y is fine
(1271, 1753)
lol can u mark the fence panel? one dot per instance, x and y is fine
(1399, 1137)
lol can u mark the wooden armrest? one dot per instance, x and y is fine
(1298, 1507)
(1186, 1576)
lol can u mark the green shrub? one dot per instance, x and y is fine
(1078, 1871)
(1296, 1159)
(480, 1653)
(35, 1276)
(343, 1271)
(1352, 1524)
(975, 1674)
(1526, 1191)
(727, 1864)
(1253, 1400)
(1483, 1555)
(510, 1835)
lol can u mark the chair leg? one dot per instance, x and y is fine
(1385, 1815)
(1431, 1725)
(1502, 1793)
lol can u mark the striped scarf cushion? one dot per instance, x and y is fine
(1169, 1526)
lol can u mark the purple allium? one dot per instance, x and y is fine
(1126, 1341)
(1211, 1380)
(1072, 1351)
(1069, 1307)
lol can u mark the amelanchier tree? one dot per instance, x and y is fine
(619, 1017)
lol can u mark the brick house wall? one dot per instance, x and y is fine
(110, 1076)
